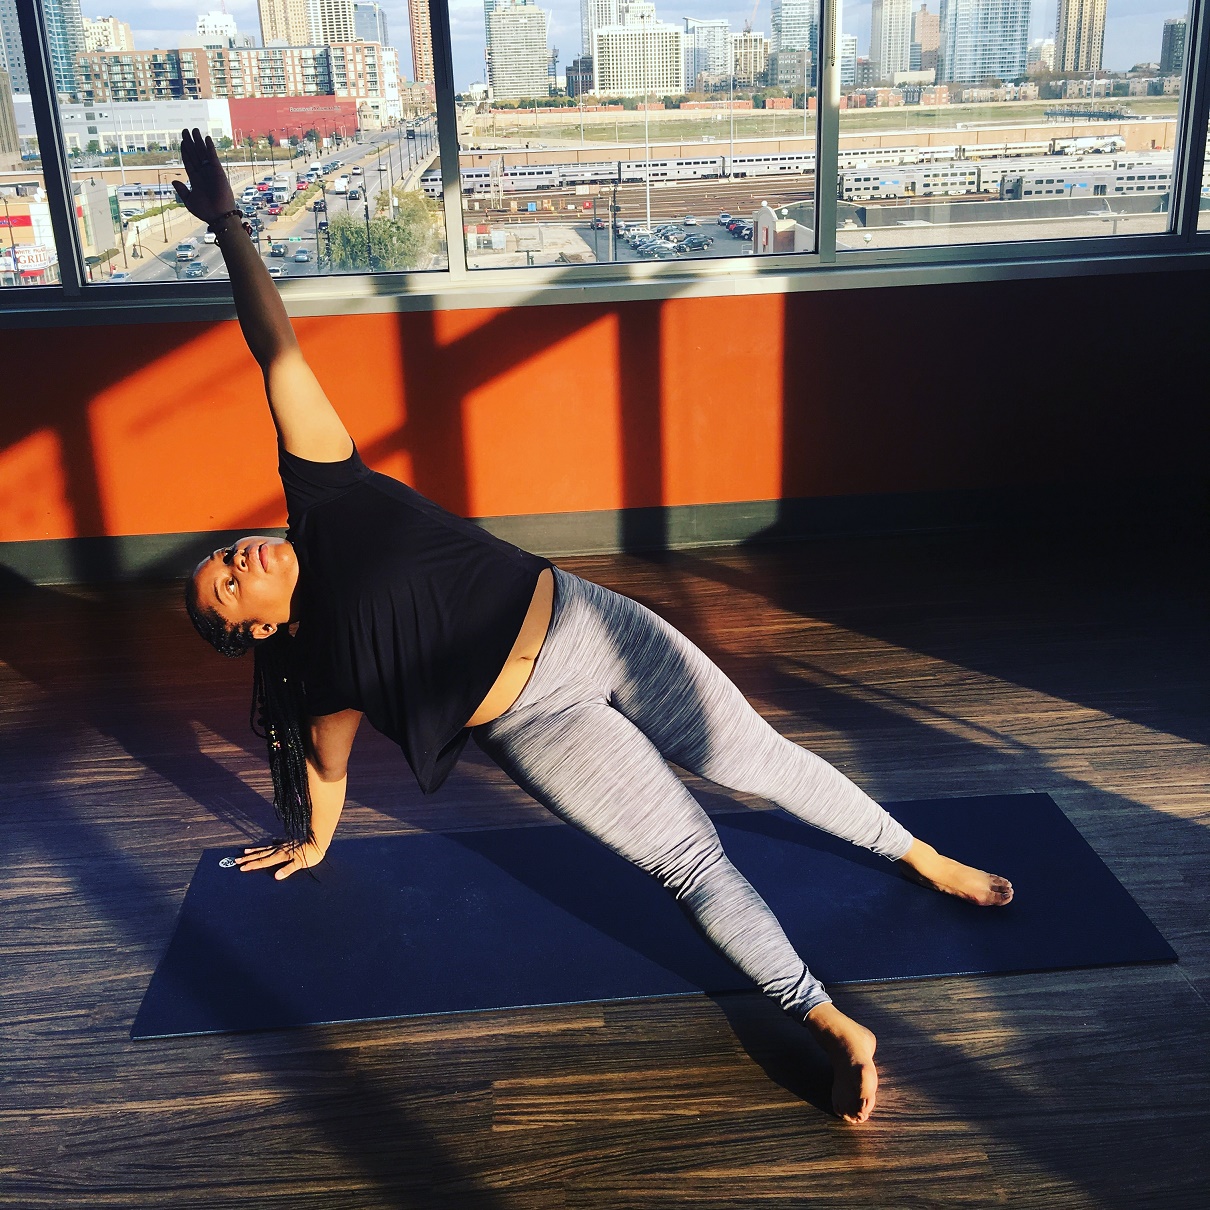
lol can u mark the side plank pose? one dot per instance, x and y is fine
(380, 603)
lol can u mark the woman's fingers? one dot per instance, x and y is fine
(263, 858)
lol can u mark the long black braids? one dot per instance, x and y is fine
(278, 712)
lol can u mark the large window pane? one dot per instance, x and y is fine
(642, 142)
(323, 141)
(983, 121)
(28, 256)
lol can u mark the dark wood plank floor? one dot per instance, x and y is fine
(922, 666)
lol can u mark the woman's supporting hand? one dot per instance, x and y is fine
(290, 857)
(208, 193)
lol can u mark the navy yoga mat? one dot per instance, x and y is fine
(437, 923)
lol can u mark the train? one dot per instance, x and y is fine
(1062, 177)
(948, 170)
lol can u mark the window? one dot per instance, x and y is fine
(1039, 130)
(654, 139)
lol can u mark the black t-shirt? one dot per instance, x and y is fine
(406, 612)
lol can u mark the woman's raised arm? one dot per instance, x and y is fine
(307, 423)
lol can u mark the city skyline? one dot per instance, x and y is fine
(1133, 30)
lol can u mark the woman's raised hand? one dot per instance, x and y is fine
(290, 857)
(208, 194)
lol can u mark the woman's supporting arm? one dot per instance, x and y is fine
(332, 738)
(307, 423)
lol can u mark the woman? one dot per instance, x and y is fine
(433, 629)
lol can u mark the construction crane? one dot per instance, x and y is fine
(751, 18)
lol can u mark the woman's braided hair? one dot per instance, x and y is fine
(278, 713)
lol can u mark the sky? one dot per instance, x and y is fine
(1132, 27)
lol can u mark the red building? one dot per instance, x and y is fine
(257, 117)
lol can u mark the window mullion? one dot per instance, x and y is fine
(1191, 134)
(827, 134)
(447, 136)
(56, 174)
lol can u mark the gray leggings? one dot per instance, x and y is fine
(615, 693)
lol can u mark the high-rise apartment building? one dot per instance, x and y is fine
(795, 25)
(982, 39)
(518, 54)
(12, 56)
(10, 143)
(707, 49)
(749, 57)
(641, 57)
(285, 22)
(65, 33)
(890, 37)
(422, 41)
(1079, 35)
(331, 21)
(848, 60)
(370, 23)
(107, 33)
(1172, 49)
(594, 15)
(926, 37)
(793, 43)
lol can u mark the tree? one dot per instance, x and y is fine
(225, 143)
(405, 242)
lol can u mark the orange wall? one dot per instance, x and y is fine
(161, 428)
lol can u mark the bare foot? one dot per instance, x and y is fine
(925, 865)
(851, 1049)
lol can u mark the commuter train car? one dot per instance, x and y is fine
(1006, 151)
(909, 182)
(802, 162)
(140, 193)
(1086, 182)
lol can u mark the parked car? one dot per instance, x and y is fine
(731, 224)
(689, 221)
(743, 231)
(597, 224)
(196, 269)
(696, 243)
(724, 219)
(119, 276)
(302, 255)
(277, 249)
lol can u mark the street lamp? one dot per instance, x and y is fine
(271, 140)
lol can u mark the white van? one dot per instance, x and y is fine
(187, 249)
(317, 167)
(341, 185)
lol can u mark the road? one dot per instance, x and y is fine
(158, 240)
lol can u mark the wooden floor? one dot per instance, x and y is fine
(923, 667)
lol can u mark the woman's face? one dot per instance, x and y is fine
(253, 580)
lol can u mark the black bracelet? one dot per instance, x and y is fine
(215, 228)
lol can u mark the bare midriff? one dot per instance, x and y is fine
(520, 663)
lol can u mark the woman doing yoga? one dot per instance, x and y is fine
(380, 603)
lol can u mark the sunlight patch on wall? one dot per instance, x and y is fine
(33, 490)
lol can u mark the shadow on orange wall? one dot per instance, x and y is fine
(161, 429)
